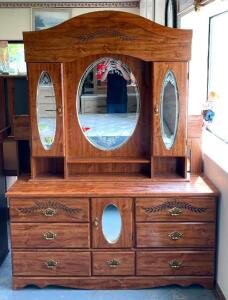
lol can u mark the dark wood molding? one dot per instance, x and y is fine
(219, 292)
(76, 4)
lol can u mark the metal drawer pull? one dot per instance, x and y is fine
(113, 263)
(49, 235)
(175, 264)
(156, 110)
(175, 211)
(49, 212)
(96, 223)
(175, 235)
(51, 264)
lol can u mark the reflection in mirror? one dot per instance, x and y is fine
(111, 223)
(169, 109)
(46, 110)
(108, 103)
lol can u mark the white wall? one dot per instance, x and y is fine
(13, 21)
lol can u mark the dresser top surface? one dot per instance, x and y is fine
(197, 186)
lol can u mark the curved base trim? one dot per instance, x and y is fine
(113, 282)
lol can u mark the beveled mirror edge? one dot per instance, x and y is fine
(177, 112)
(37, 114)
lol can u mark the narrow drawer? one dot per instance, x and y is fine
(51, 263)
(36, 235)
(175, 263)
(175, 235)
(49, 210)
(175, 209)
(113, 263)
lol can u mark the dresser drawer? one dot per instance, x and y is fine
(175, 263)
(175, 209)
(49, 210)
(51, 264)
(113, 263)
(95, 106)
(35, 235)
(175, 235)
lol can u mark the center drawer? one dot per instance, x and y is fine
(51, 263)
(53, 235)
(113, 263)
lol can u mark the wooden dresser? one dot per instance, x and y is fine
(168, 234)
(109, 202)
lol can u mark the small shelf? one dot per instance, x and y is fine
(105, 160)
(104, 177)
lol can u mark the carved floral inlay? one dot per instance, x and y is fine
(174, 204)
(42, 206)
(105, 32)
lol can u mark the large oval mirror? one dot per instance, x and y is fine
(108, 103)
(169, 110)
(46, 110)
(111, 223)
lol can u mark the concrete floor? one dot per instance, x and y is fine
(55, 293)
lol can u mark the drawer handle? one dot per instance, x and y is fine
(113, 263)
(49, 235)
(49, 212)
(175, 235)
(51, 264)
(156, 110)
(175, 211)
(96, 223)
(175, 264)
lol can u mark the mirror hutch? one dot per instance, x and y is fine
(110, 203)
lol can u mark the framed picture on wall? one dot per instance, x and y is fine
(46, 18)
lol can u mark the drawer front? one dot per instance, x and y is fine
(174, 209)
(175, 263)
(113, 263)
(51, 263)
(35, 235)
(95, 106)
(49, 210)
(175, 235)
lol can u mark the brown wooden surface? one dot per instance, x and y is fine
(32, 235)
(99, 282)
(22, 127)
(157, 235)
(160, 209)
(54, 70)
(158, 263)
(66, 210)
(101, 267)
(124, 206)
(180, 72)
(198, 186)
(108, 32)
(68, 263)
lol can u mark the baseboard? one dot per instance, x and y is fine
(219, 292)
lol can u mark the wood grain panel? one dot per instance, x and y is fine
(67, 263)
(136, 146)
(98, 282)
(157, 235)
(108, 32)
(124, 206)
(22, 127)
(179, 70)
(160, 263)
(55, 71)
(175, 209)
(59, 210)
(54, 235)
(125, 263)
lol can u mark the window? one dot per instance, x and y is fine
(217, 74)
